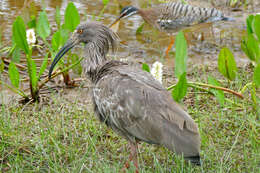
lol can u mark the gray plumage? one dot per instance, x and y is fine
(130, 100)
(174, 16)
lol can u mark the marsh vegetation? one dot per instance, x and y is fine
(47, 125)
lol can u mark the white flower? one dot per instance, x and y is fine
(123, 60)
(156, 71)
(30, 36)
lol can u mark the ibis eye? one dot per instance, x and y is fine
(80, 31)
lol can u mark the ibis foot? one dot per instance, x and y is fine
(133, 157)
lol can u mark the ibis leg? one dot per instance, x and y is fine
(134, 151)
(133, 157)
(169, 47)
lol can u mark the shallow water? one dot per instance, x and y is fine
(151, 44)
(145, 44)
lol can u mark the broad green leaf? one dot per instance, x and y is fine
(256, 26)
(64, 35)
(140, 29)
(218, 93)
(257, 75)
(32, 72)
(72, 18)
(249, 24)
(57, 16)
(32, 22)
(56, 40)
(245, 49)
(43, 66)
(59, 38)
(146, 67)
(251, 48)
(180, 89)
(181, 54)
(227, 64)
(19, 34)
(105, 2)
(16, 54)
(14, 75)
(42, 26)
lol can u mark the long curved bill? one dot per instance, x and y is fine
(122, 16)
(116, 21)
(70, 44)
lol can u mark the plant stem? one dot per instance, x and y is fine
(208, 91)
(230, 101)
(60, 72)
(200, 88)
(218, 88)
(15, 90)
(193, 84)
(17, 65)
(171, 87)
(245, 87)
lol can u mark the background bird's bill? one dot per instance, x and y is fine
(122, 16)
(116, 22)
(115, 26)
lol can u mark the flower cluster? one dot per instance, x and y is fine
(156, 71)
(30, 36)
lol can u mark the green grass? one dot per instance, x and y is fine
(62, 135)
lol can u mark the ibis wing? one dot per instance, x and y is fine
(135, 105)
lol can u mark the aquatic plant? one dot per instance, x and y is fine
(251, 47)
(25, 40)
(227, 67)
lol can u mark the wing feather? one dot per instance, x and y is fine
(136, 106)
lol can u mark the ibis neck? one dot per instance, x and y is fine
(96, 58)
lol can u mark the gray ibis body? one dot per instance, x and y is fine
(129, 100)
